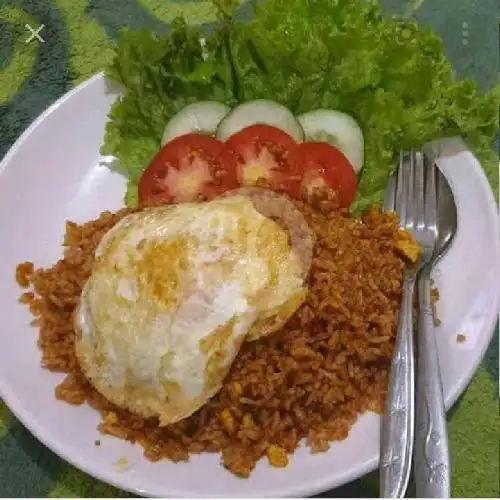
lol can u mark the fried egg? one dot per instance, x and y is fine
(173, 293)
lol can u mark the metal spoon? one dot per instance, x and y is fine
(431, 453)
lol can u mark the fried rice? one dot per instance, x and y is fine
(311, 380)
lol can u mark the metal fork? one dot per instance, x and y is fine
(411, 193)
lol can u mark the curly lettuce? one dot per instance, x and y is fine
(388, 73)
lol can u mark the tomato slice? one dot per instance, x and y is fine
(188, 168)
(321, 164)
(267, 153)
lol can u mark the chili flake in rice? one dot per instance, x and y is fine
(311, 380)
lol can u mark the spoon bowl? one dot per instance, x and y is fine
(447, 218)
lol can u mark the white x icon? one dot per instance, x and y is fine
(34, 33)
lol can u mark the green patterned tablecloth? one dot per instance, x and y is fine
(79, 37)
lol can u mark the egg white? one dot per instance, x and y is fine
(173, 293)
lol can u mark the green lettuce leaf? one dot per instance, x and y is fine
(159, 76)
(132, 194)
(388, 73)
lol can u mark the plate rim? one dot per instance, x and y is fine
(313, 487)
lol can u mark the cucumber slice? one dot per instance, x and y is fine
(338, 129)
(201, 117)
(260, 112)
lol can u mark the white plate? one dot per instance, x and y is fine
(53, 173)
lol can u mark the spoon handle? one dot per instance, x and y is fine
(431, 455)
(397, 422)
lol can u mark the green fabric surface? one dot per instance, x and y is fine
(79, 37)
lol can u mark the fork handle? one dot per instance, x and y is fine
(397, 422)
(432, 459)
